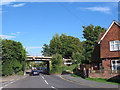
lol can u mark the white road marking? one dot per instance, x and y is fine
(5, 83)
(46, 82)
(52, 87)
(42, 77)
(1, 88)
(9, 83)
(13, 82)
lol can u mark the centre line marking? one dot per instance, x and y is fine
(1, 88)
(11, 82)
(46, 82)
(52, 87)
(42, 77)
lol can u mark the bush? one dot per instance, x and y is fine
(7, 69)
(13, 57)
(69, 67)
(77, 56)
(20, 73)
(56, 64)
(57, 69)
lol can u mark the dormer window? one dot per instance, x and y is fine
(114, 45)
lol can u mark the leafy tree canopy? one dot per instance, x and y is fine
(64, 45)
(91, 34)
(13, 57)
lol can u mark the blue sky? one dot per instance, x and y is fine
(34, 23)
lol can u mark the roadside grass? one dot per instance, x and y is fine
(97, 79)
(76, 76)
(102, 80)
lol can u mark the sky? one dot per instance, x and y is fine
(34, 23)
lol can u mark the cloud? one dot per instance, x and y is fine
(6, 2)
(18, 32)
(10, 3)
(33, 47)
(6, 36)
(18, 5)
(99, 9)
(15, 33)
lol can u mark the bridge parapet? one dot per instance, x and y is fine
(38, 58)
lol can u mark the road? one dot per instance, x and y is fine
(43, 81)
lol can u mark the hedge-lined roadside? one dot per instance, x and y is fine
(13, 58)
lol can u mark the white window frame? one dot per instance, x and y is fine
(114, 43)
(116, 64)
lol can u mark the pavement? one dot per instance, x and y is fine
(11, 78)
(84, 82)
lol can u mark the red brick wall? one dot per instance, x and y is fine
(102, 75)
(113, 34)
(106, 64)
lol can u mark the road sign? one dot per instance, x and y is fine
(75, 61)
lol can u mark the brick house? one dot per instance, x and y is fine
(107, 51)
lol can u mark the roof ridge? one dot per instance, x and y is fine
(114, 21)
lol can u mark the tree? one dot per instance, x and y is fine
(56, 62)
(0, 56)
(64, 45)
(77, 56)
(13, 57)
(46, 51)
(91, 35)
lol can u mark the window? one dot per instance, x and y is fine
(115, 65)
(114, 45)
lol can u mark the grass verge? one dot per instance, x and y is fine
(75, 75)
(97, 80)
(102, 80)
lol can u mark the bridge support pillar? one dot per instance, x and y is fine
(48, 67)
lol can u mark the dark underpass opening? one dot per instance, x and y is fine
(35, 67)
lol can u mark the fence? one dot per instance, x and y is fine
(104, 73)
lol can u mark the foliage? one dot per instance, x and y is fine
(0, 56)
(56, 63)
(13, 57)
(77, 56)
(70, 68)
(91, 35)
(74, 75)
(64, 45)
(46, 50)
(20, 73)
(56, 60)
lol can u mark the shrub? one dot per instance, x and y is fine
(20, 73)
(56, 64)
